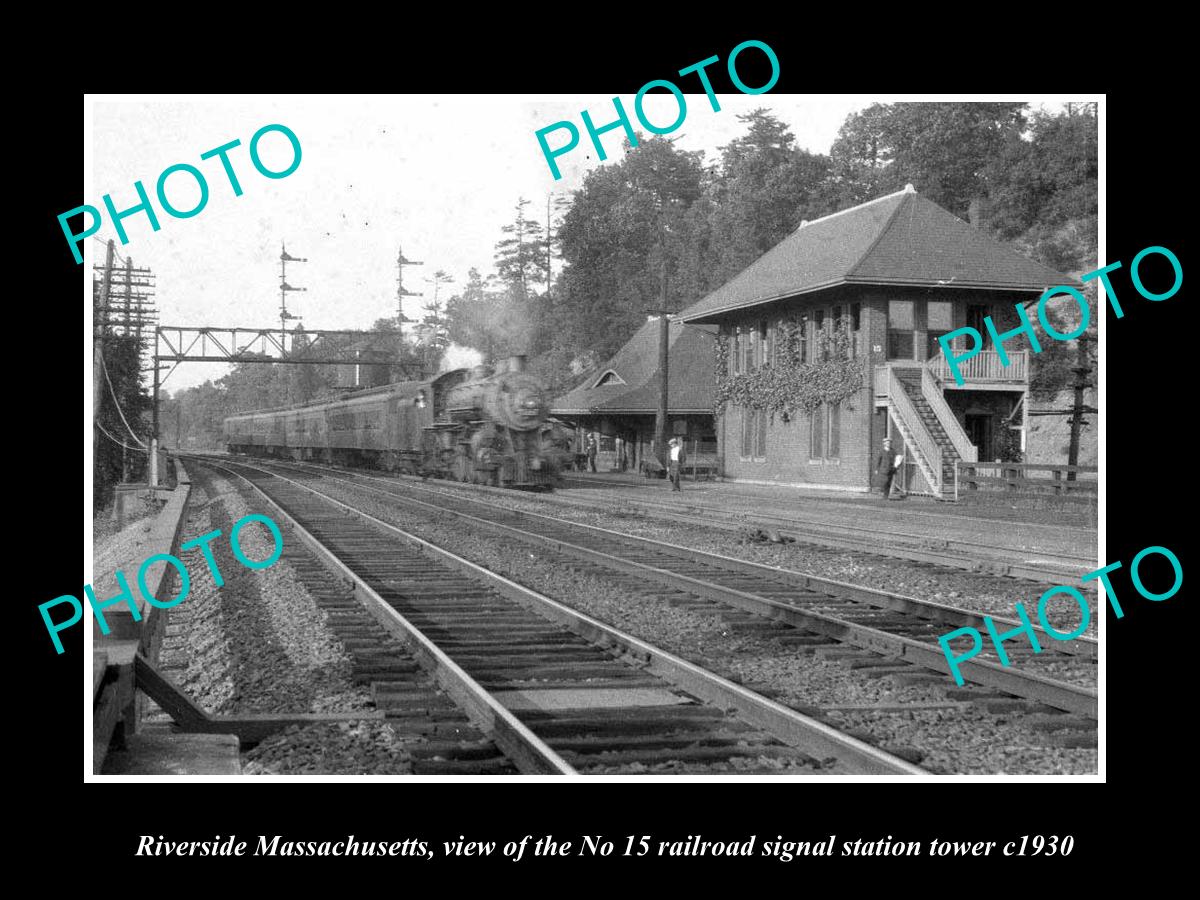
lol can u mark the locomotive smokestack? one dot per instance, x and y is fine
(517, 363)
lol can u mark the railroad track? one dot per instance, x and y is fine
(886, 627)
(436, 732)
(957, 553)
(552, 689)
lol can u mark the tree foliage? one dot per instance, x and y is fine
(765, 189)
(521, 254)
(661, 211)
(623, 237)
(1043, 188)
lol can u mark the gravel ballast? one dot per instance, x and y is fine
(988, 594)
(342, 748)
(260, 644)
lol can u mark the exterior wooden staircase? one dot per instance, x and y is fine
(932, 434)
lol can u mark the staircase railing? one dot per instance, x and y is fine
(966, 451)
(928, 454)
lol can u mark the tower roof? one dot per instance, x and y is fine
(899, 239)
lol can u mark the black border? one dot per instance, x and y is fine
(1147, 386)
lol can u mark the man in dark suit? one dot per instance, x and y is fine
(885, 468)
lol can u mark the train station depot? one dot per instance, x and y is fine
(881, 281)
(618, 403)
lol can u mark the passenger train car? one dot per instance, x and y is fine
(474, 425)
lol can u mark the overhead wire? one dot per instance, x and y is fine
(117, 403)
(118, 441)
(141, 446)
(103, 243)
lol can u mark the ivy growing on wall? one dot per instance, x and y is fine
(786, 384)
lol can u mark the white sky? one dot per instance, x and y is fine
(437, 174)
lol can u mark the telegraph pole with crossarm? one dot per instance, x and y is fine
(401, 293)
(284, 287)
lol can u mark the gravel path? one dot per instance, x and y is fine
(962, 739)
(115, 549)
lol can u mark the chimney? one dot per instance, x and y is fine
(516, 363)
(977, 211)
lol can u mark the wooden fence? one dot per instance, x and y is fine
(1028, 478)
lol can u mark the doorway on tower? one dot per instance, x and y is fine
(980, 430)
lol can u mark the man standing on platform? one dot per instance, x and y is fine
(885, 468)
(677, 459)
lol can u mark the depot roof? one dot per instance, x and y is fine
(900, 239)
(628, 383)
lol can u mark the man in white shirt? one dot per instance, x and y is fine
(677, 457)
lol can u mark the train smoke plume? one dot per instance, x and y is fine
(460, 357)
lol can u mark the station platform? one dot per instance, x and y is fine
(1067, 531)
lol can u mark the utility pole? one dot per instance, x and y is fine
(664, 344)
(1082, 369)
(137, 311)
(401, 293)
(100, 331)
(154, 420)
(660, 420)
(284, 287)
(99, 326)
(122, 308)
(128, 294)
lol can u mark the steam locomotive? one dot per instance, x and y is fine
(474, 425)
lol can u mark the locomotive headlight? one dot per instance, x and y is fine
(527, 403)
